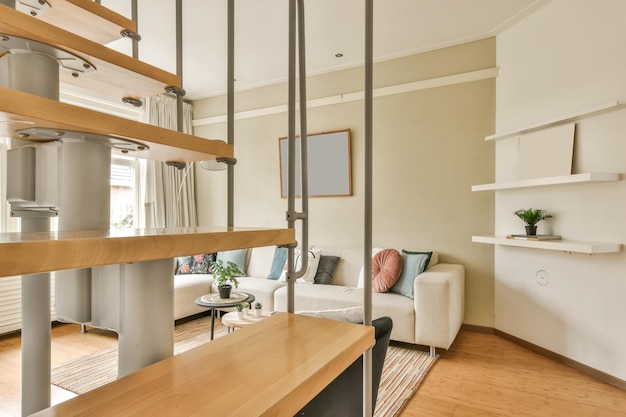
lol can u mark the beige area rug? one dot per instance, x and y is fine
(403, 371)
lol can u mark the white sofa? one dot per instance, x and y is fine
(432, 318)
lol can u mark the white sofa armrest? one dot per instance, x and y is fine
(439, 305)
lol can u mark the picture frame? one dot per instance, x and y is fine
(329, 164)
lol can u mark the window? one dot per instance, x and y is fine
(124, 192)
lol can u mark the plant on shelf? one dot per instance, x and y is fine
(531, 217)
(224, 275)
(258, 309)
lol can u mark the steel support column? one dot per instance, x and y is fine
(39, 75)
(367, 238)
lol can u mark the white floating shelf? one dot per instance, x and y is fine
(588, 177)
(568, 118)
(559, 245)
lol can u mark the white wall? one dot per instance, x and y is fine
(567, 56)
(428, 151)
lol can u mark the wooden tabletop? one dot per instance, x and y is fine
(29, 253)
(273, 368)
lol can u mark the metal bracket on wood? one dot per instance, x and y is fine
(175, 90)
(33, 7)
(67, 60)
(126, 33)
(227, 161)
(121, 144)
(132, 101)
(289, 245)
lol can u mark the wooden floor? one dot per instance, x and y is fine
(481, 375)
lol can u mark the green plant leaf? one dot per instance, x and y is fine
(532, 216)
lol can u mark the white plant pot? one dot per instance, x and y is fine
(258, 312)
(240, 314)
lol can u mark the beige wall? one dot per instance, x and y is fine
(566, 57)
(429, 149)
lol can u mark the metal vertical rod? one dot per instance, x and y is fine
(367, 292)
(179, 63)
(134, 13)
(304, 166)
(230, 118)
(291, 133)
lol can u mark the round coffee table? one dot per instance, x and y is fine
(232, 319)
(214, 302)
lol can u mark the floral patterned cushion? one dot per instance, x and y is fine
(196, 264)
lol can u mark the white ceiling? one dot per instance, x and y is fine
(401, 27)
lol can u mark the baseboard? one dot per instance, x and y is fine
(476, 328)
(585, 369)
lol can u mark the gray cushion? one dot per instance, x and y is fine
(326, 269)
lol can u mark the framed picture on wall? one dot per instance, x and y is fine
(329, 161)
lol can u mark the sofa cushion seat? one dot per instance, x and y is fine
(262, 288)
(187, 288)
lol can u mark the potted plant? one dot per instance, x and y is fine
(224, 275)
(531, 217)
(240, 312)
(258, 309)
(246, 307)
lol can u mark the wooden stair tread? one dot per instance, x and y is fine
(88, 19)
(117, 74)
(20, 110)
(58, 251)
(272, 368)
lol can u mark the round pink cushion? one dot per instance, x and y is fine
(386, 269)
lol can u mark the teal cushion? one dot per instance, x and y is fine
(237, 256)
(326, 269)
(196, 264)
(278, 263)
(413, 264)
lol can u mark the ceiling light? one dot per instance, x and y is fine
(338, 55)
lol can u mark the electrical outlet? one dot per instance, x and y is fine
(542, 277)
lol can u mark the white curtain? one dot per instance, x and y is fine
(169, 199)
